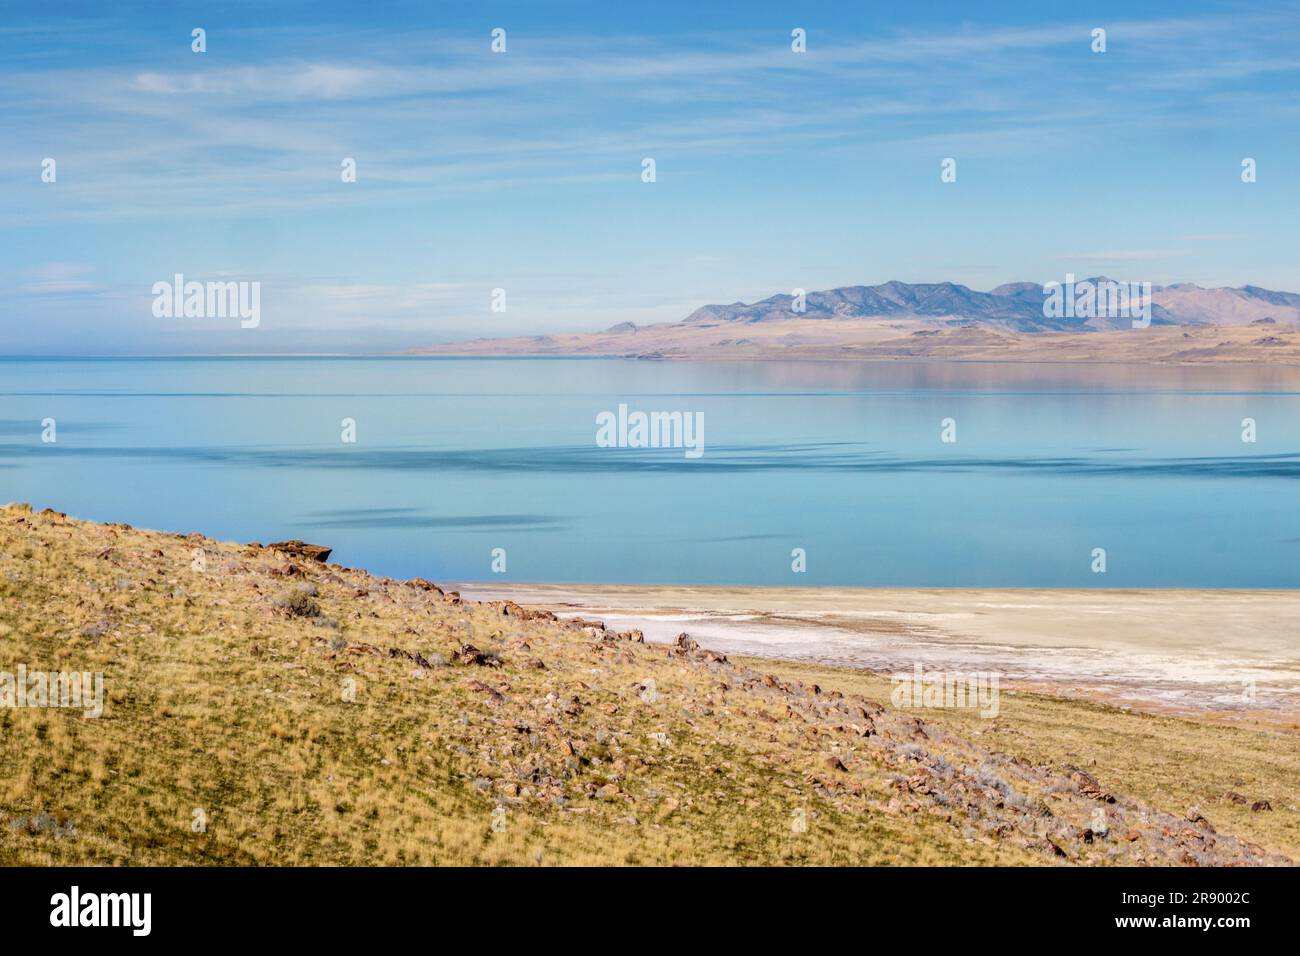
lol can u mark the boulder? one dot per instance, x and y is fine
(301, 549)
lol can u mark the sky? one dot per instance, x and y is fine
(522, 170)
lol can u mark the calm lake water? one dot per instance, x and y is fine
(456, 457)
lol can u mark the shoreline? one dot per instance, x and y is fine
(1203, 653)
(721, 358)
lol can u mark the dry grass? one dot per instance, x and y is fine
(1168, 762)
(228, 696)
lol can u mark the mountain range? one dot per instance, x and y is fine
(947, 321)
(1013, 307)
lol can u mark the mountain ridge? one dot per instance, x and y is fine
(1012, 306)
(1176, 324)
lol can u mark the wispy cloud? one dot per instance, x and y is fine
(1125, 255)
(60, 278)
(228, 138)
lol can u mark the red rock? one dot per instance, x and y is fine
(301, 549)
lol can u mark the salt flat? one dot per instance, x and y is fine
(1202, 650)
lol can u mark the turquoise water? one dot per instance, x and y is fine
(455, 458)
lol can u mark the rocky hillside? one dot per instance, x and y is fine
(266, 707)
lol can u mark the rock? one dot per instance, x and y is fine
(686, 643)
(1260, 805)
(1194, 815)
(478, 685)
(301, 549)
(1233, 797)
(1088, 785)
(469, 654)
(835, 763)
(424, 585)
(416, 657)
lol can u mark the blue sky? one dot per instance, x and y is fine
(522, 170)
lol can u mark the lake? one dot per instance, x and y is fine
(454, 458)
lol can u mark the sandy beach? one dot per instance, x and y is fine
(1226, 652)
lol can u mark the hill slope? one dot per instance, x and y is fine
(263, 707)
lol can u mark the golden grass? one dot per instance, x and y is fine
(231, 735)
(1173, 763)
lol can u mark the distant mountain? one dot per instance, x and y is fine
(904, 321)
(1013, 307)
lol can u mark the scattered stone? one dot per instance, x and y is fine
(477, 685)
(1088, 786)
(469, 654)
